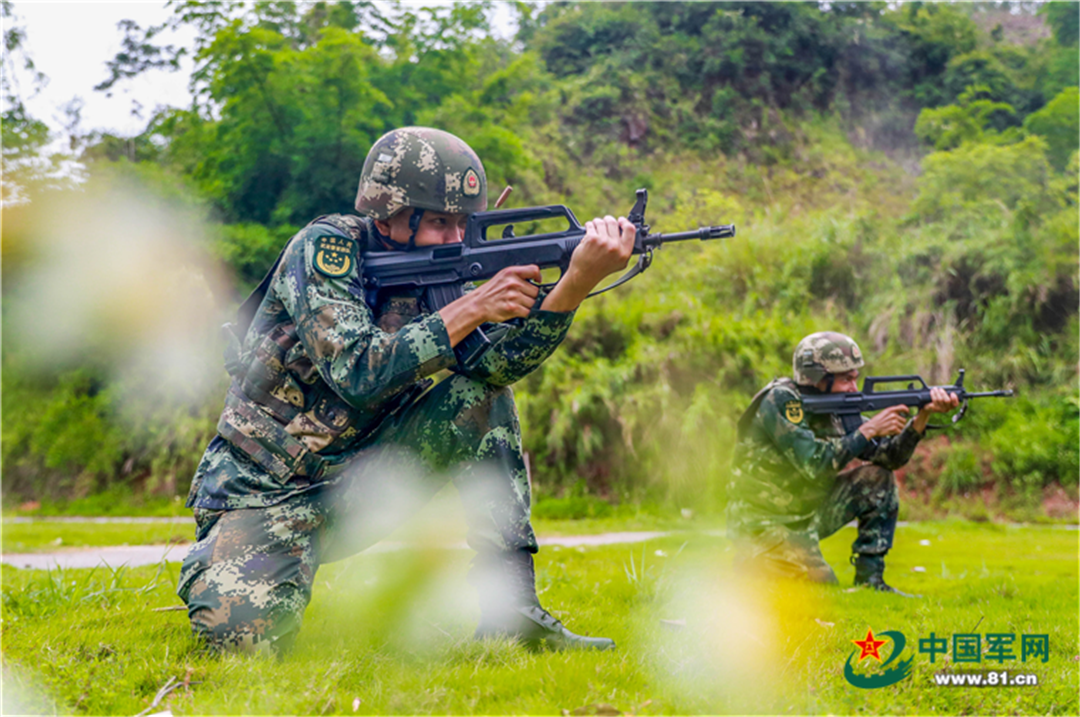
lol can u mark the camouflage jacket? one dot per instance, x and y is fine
(786, 461)
(319, 369)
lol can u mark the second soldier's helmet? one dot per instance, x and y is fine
(826, 352)
(423, 168)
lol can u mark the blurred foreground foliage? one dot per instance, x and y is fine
(905, 174)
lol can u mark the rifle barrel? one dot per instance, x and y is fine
(985, 394)
(721, 231)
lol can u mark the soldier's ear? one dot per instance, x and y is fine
(383, 227)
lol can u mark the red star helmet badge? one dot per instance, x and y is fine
(471, 185)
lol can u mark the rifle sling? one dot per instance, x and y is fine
(644, 260)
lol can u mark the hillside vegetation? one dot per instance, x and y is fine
(907, 175)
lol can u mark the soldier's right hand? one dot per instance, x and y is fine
(889, 422)
(507, 295)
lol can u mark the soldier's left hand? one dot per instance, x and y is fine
(941, 401)
(605, 249)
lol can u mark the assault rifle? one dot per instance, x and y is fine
(849, 406)
(441, 271)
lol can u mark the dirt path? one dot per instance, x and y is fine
(134, 555)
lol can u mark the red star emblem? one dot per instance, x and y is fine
(471, 179)
(870, 647)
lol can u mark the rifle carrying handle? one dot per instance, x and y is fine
(870, 381)
(508, 217)
(472, 348)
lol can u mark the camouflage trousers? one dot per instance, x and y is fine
(868, 493)
(248, 578)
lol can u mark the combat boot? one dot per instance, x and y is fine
(509, 607)
(870, 572)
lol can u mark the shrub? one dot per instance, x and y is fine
(1037, 444)
(1059, 124)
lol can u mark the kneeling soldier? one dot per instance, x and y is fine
(332, 429)
(787, 490)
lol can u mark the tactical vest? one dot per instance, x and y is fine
(279, 411)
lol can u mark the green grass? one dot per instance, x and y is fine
(42, 536)
(116, 500)
(392, 630)
(558, 516)
(46, 535)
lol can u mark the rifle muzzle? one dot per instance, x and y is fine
(720, 231)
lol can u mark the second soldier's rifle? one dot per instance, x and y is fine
(442, 271)
(850, 406)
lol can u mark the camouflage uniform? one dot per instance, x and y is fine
(788, 489)
(329, 418)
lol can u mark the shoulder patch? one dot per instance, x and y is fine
(793, 411)
(335, 256)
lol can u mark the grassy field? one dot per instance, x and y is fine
(391, 633)
(47, 536)
(46, 533)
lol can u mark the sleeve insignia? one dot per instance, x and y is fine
(334, 256)
(793, 411)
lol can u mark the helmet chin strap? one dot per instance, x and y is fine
(829, 380)
(414, 227)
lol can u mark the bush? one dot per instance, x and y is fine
(962, 470)
(1037, 444)
(62, 430)
(984, 178)
(574, 507)
(1059, 124)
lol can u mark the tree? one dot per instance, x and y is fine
(1059, 124)
(975, 119)
(27, 161)
(1064, 21)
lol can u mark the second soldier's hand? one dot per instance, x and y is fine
(510, 294)
(889, 422)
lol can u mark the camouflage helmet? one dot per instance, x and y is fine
(823, 353)
(423, 168)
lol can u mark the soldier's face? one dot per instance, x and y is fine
(435, 228)
(844, 382)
